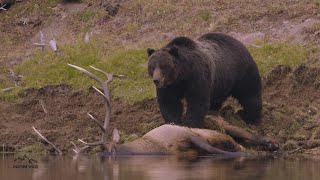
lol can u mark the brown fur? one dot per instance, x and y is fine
(178, 140)
(172, 139)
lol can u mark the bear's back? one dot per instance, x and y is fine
(221, 40)
(231, 58)
(182, 42)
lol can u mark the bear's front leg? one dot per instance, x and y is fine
(197, 108)
(170, 105)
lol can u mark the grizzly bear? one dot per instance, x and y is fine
(204, 72)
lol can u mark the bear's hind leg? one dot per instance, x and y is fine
(216, 104)
(252, 107)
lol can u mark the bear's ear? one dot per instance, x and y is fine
(173, 51)
(150, 51)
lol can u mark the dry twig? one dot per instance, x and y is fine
(43, 107)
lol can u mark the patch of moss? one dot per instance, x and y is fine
(8, 90)
(295, 126)
(277, 116)
(301, 135)
(10, 95)
(29, 8)
(37, 148)
(129, 138)
(4, 81)
(290, 145)
(314, 28)
(204, 15)
(132, 26)
(316, 133)
(86, 15)
(146, 127)
(95, 149)
(269, 55)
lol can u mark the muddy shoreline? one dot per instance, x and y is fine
(291, 100)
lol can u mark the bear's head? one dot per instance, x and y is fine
(162, 66)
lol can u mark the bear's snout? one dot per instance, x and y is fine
(156, 82)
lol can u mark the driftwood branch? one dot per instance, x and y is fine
(2, 7)
(41, 37)
(97, 122)
(97, 143)
(24, 21)
(7, 89)
(42, 44)
(46, 140)
(78, 150)
(53, 45)
(106, 96)
(39, 44)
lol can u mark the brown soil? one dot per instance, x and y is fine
(66, 118)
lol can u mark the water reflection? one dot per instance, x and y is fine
(161, 167)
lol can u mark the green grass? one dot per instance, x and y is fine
(3, 76)
(133, 63)
(269, 55)
(37, 148)
(205, 15)
(48, 68)
(29, 8)
(84, 20)
(313, 29)
(86, 15)
(5, 82)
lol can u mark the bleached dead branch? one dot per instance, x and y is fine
(46, 140)
(87, 38)
(2, 7)
(42, 44)
(53, 45)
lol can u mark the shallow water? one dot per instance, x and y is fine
(157, 167)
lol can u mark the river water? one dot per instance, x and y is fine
(25, 167)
